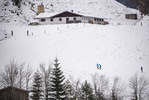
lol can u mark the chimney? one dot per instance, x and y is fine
(40, 8)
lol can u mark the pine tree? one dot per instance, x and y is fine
(57, 90)
(86, 92)
(70, 92)
(37, 87)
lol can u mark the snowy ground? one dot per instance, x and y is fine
(120, 49)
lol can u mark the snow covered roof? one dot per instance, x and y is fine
(48, 15)
(87, 14)
(90, 15)
(33, 20)
(45, 15)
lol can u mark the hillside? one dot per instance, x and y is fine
(121, 50)
(142, 5)
(121, 47)
(109, 9)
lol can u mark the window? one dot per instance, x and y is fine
(67, 19)
(51, 19)
(74, 18)
(60, 19)
(42, 20)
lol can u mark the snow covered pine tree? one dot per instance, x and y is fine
(37, 87)
(57, 88)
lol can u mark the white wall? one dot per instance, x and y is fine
(86, 20)
(56, 20)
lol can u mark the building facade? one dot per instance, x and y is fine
(12, 93)
(67, 17)
(131, 16)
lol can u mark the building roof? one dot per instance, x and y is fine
(45, 15)
(66, 13)
(11, 87)
(90, 15)
(34, 21)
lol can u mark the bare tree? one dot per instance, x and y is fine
(76, 86)
(147, 95)
(118, 89)
(10, 73)
(28, 76)
(139, 85)
(21, 75)
(142, 5)
(46, 78)
(100, 83)
(16, 75)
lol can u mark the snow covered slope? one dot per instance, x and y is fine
(12, 14)
(121, 50)
(110, 9)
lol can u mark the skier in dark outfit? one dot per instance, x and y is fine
(141, 69)
(98, 66)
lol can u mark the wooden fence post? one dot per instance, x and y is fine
(11, 33)
(27, 33)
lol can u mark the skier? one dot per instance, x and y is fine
(141, 69)
(98, 66)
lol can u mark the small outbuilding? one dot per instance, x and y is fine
(131, 16)
(13, 93)
(34, 22)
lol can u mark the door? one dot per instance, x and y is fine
(67, 19)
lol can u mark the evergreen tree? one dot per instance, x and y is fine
(57, 89)
(37, 87)
(86, 92)
(70, 92)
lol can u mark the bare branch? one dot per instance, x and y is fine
(10, 73)
(45, 73)
(100, 84)
(118, 89)
(28, 75)
(139, 85)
